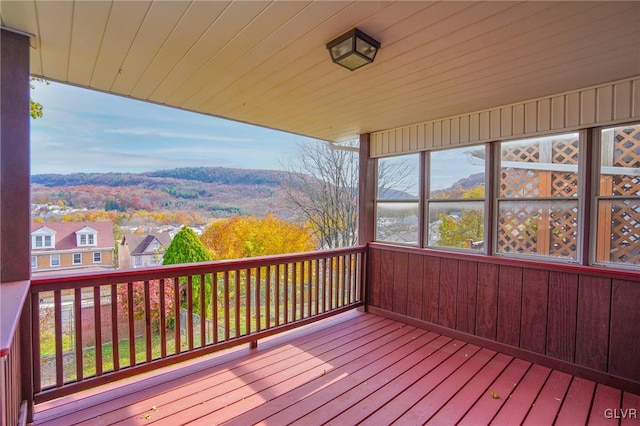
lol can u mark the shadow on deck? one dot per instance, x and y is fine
(352, 368)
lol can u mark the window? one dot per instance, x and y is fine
(34, 262)
(77, 258)
(97, 257)
(54, 260)
(455, 202)
(397, 201)
(618, 196)
(138, 261)
(43, 241)
(86, 237)
(538, 197)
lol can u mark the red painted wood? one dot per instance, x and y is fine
(431, 289)
(236, 389)
(373, 278)
(247, 301)
(606, 400)
(131, 324)
(625, 330)
(577, 403)
(486, 407)
(35, 341)
(563, 306)
(267, 287)
(487, 305)
(414, 286)
(630, 406)
(331, 393)
(376, 391)
(147, 322)
(236, 311)
(77, 313)
(57, 307)
(117, 402)
(114, 325)
(387, 260)
(509, 305)
(422, 384)
(163, 321)
(546, 406)
(400, 275)
(520, 401)
(227, 322)
(316, 286)
(294, 290)
(258, 301)
(535, 296)
(467, 295)
(470, 392)
(592, 324)
(448, 292)
(438, 397)
(203, 312)
(176, 303)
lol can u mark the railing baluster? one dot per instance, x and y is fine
(131, 323)
(163, 319)
(115, 341)
(258, 299)
(286, 293)
(203, 312)
(276, 300)
(302, 285)
(294, 290)
(57, 306)
(247, 300)
(309, 286)
(237, 302)
(226, 306)
(35, 342)
(350, 274)
(176, 315)
(214, 305)
(189, 325)
(332, 290)
(316, 285)
(345, 283)
(77, 307)
(97, 315)
(267, 291)
(147, 320)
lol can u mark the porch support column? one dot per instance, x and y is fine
(14, 158)
(367, 192)
(15, 218)
(366, 208)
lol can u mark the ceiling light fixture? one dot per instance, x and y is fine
(353, 49)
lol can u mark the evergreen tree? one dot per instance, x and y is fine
(186, 247)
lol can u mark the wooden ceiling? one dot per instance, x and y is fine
(266, 63)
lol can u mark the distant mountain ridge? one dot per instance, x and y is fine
(209, 191)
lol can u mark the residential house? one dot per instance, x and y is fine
(71, 246)
(142, 250)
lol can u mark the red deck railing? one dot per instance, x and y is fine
(92, 329)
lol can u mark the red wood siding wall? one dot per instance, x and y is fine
(579, 315)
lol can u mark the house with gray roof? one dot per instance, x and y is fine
(142, 250)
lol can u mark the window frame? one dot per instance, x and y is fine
(579, 199)
(596, 168)
(428, 201)
(412, 201)
(51, 259)
(98, 255)
(73, 258)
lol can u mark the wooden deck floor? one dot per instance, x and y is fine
(351, 369)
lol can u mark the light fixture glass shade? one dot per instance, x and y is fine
(353, 49)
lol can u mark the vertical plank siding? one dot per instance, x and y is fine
(602, 105)
(579, 315)
(139, 320)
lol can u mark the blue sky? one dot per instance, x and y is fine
(87, 131)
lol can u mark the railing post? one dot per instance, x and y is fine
(366, 207)
(26, 359)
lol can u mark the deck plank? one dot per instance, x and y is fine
(546, 406)
(577, 403)
(354, 368)
(235, 384)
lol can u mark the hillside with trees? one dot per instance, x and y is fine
(198, 192)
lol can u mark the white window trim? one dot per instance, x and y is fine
(99, 254)
(54, 256)
(34, 262)
(74, 258)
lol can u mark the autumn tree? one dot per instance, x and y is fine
(248, 236)
(469, 225)
(154, 302)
